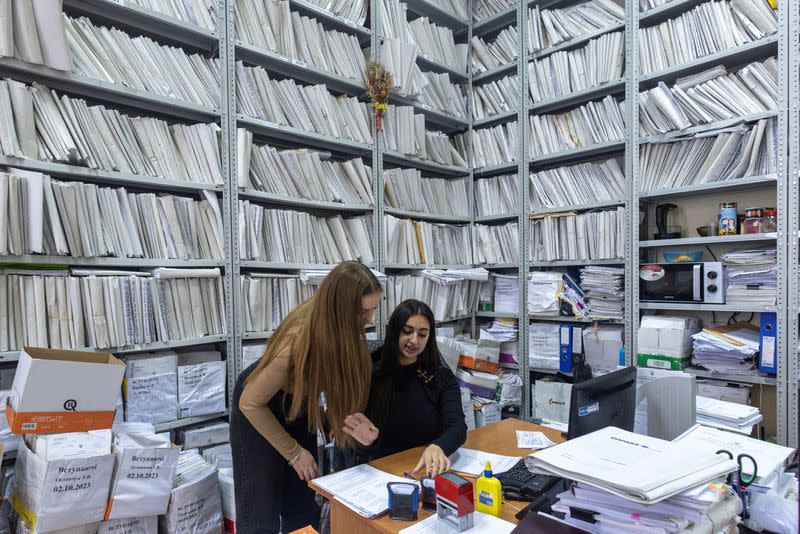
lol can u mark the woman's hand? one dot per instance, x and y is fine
(434, 461)
(361, 429)
(306, 466)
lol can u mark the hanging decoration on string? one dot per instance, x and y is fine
(379, 82)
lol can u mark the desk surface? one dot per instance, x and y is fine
(497, 438)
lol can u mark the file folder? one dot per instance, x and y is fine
(768, 359)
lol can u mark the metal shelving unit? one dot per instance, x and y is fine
(738, 184)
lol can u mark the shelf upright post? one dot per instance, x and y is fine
(523, 227)
(631, 179)
(791, 213)
(470, 155)
(230, 194)
(378, 237)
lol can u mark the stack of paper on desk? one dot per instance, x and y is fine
(727, 349)
(639, 468)
(496, 195)
(573, 185)
(361, 488)
(495, 97)
(501, 51)
(727, 415)
(496, 244)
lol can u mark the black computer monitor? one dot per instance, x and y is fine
(608, 400)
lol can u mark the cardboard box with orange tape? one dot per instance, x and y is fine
(63, 391)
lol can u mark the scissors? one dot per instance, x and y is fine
(742, 480)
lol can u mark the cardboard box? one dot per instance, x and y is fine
(667, 336)
(659, 361)
(63, 391)
(483, 355)
(486, 413)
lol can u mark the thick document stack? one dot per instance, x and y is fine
(709, 96)
(404, 131)
(494, 146)
(34, 32)
(286, 236)
(604, 289)
(269, 24)
(448, 300)
(201, 13)
(709, 28)
(105, 309)
(39, 215)
(400, 58)
(550, 27)
(752, 277)
(726, 154)
(640, 469)
(594, 235)
(304, 173)
(441, 94)
(496, 195)
(727, 349)
(647, 5)
(408, 190)
(195, 504)
(352, 10)
(602, 60)
(484, 9)
(307, 107)
(730, 416)
(438, 42)
(591, 124)
(38, 123)
(576, 185)
(494, 98)
(111, 55)
(268, 298)
(496, 244)
(424, 243)
(501, 51)
(454, 7)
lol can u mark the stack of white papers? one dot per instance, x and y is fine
(454, 7)
(268, 298)
(496, 195)
(404, 132)
(484, 9)
(196, 488)
(34, 32)
(361, 488)
(503, 330)
(710, 96)
(310, 108)
(287, 236)
(752, 277)
(304, 173)
(575, 185)
(549, 27)
(440, 94)
(473, 462)
(52, 447)
(407, 189)
(591, 124)
(272, 26)
(399, 57)
(602, 60)
(506, 293)
(714, 156)
(639, 468)
(604, 291)
(466, 273)
(437, 42)
(713, 27)
(532, 440)
(424, 243)
(501, 51)
(646, 5)
(496, 244)
(198, 12)
(316, 276)
(495, 97)
(494, 146)
(448, 301)
(111, 55)
(355, 10)
(731, 416)
(583, 236)
(727, 349)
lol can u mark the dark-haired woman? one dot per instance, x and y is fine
(415, 398)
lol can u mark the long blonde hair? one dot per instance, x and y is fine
(328, 349)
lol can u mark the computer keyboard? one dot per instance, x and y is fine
(520, 484)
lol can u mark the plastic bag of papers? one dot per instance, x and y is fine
(201, 389)
(151, 384)
(543, 345)
(543, 290)
(551, 400)
(205, 435)
(195, 504)
(143, 525)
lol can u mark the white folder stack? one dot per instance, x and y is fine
(424, 243)
(496, 244)
(352, 10)
(196, 488)
(496, 195)
(111, 55)
(407, 189)
(501, 51)
(271, 25)
(268, 298)
(602, 60)
(550, 27)
(454, 7)
(575, 185)
(307, 107)
(708, 28)
(287, 236)
(594, 235)
(448, 301)
(727, 349)
(484, 9)
(404, 131)
(496, 145)
(495, 97)
(304, 173)
(604, 289)
(201, 13)
(591, 124)
(34, 32)
(439, 93)
(725, 154)
(709, 96)
(399, 56)
(752, 277)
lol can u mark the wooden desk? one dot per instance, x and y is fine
(497, 438)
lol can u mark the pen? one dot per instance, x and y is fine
(408, 475)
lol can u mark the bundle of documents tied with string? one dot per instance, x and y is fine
(727, 349)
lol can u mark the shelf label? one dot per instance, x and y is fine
(118, 2)
(300, 63)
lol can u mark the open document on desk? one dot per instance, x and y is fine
(473, 462)
(361, 488)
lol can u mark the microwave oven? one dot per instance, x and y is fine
(682, 282)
